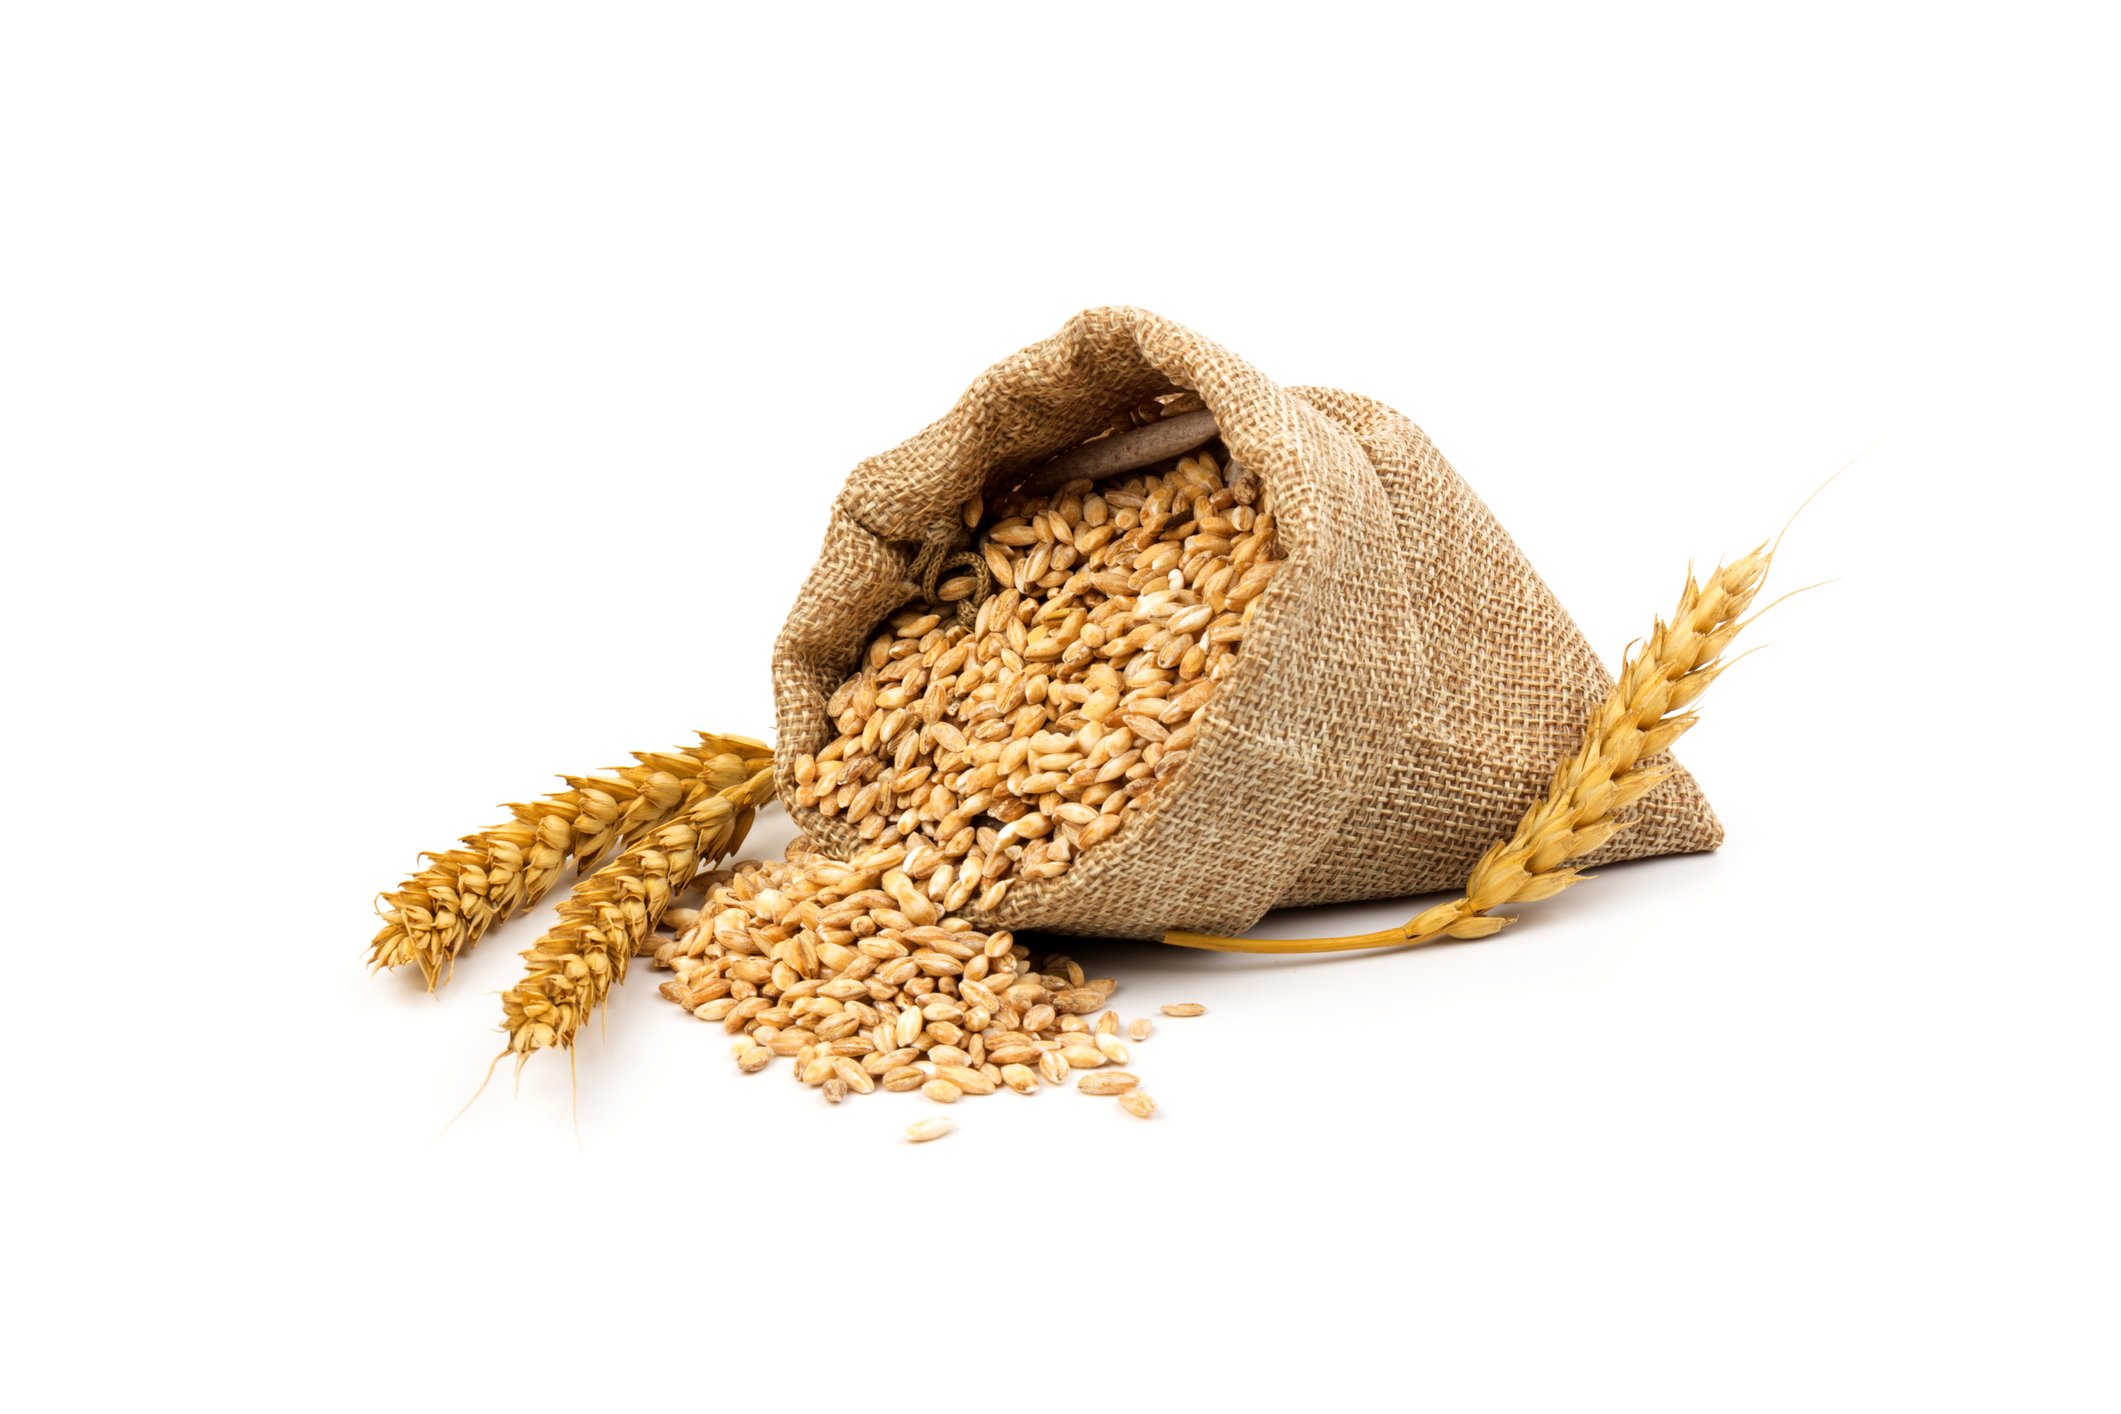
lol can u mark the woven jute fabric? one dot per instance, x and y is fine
(1404, 692)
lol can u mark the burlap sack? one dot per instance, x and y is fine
(1405, 691)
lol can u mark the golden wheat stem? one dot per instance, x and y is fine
(1644, 714)
(446, 907)
(612, 912)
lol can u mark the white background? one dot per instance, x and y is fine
(401, 404)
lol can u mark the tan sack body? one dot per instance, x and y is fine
(1404, 692)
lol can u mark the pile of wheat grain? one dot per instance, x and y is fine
(1000, 750)
(849, 969)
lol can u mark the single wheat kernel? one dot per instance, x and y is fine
(1107, 1082)
(1083, 1057)
(942, 1092)
(1139, 1028)
(970, 1081)
(1184, 1009)
(1110, 1048)
(904, 1078)
(923, 1130)
(852, 1075)
(1020, 1078)
(835, 1090)
(753, 1060)
(1054, 1067)
(744, 1012)
(1135, 1103)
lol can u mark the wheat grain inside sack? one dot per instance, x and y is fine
(1406, 683)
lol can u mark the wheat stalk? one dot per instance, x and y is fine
(446, 907)
(1645, 713)
(612, 912)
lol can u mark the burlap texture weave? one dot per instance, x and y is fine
(1406, 688)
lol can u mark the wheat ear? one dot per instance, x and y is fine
(1645, 713)
(444, 909)
(612, 912)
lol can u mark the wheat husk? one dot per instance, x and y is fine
(445, 908)
(604, 922)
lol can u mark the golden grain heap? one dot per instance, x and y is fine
(851, 970)
(1001, 750)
